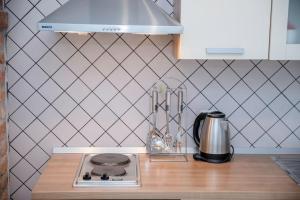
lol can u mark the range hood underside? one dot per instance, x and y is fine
(114, 16)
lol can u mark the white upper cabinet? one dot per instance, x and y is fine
(285, 30)
(223, 29)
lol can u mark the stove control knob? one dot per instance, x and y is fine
(104, 177)
(87, 176)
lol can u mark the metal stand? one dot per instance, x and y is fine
(167, 136)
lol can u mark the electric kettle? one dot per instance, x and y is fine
(211, 135)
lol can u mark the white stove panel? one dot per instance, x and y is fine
(131, 178)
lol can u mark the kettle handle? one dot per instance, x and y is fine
(230, 155)
(197, 122)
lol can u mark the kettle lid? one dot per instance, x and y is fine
(216, 114)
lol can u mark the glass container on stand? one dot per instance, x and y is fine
(167, 136)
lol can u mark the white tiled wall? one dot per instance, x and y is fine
(70, 90)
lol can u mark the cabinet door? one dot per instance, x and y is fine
(285, 30)
(223, 29)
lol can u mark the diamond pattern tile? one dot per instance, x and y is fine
(279, 132)
(78, 141)
(78, 91)
(160, 65)
(91, 50)
(147, 78)
(64, 104)
(214, 92)
(13, 78)
(36, 76)
(33, 154)
(19, 7)
(92, 99)
(22, 117)
(132, 141)
(240, 92)
(105, 118)
(161, 41)
(12, 19)
(119, 78)
(265, 141)
(254, 105)
(282, 79)
(77, 40)
(280, 106)
(120, 50)
(20, 34)
(92, 77)
(201, 78)
(200, 104)
(63, 50)
(64, 77)
(49, 39)
(15, 130)
(105, 141)
(266, 119)
(115, 132)
(119, 105)
(133, 91)
(75, 90)
(187, 67)
(30, 183)
(78, 117)
(14, 182)
(227, 104)
(21, 62)
(22, 90)
(50, 117)
(23, 170)
(92, 131)
(239, 118)
(269, 68)
(293, 68)
(36, 130)
(78, 63)
(46, 6)
(35, 49)
(227, 83)
(132, 118)
(291, 142)
(292, 92)
(23, 144)
(105, 39)
(292, 119)
(49, 142)
(253, 131)
(133, 41)
(50, 90)
(106, 64)
(268, 92)
(36, 103)
(254, 79)
(106, 91)
(214, 67)
(64, 131)
(50, 63)
(11, 49)
(242, 67)
(147, 50)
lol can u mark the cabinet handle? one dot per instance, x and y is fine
(225, 50)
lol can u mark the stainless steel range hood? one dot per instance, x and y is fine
(113, 16)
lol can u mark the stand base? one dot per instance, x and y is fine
(213, 158)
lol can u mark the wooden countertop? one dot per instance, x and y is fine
(246, 177)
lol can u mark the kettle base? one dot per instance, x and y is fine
(213, 158)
